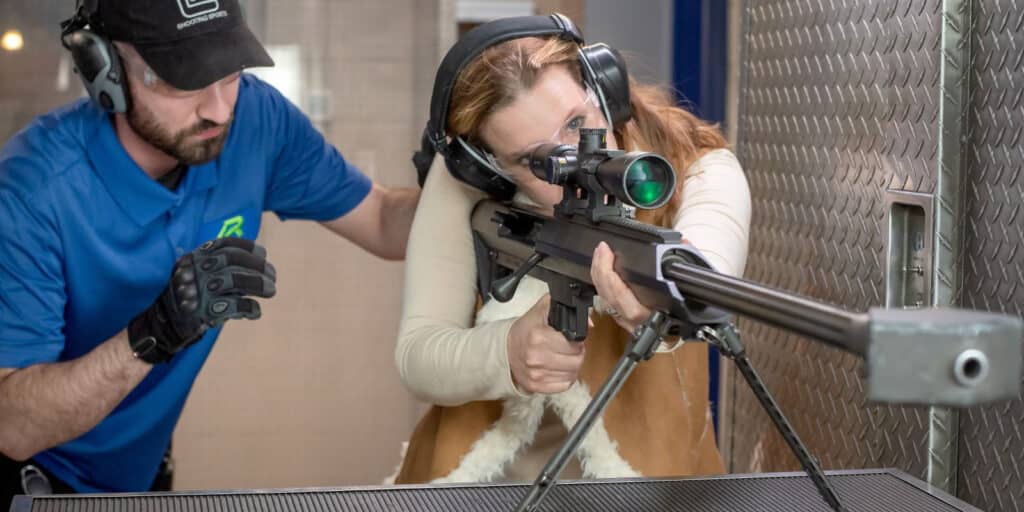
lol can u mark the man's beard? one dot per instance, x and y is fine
(178, 145)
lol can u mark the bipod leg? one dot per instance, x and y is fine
(727, 339)
(642, 348)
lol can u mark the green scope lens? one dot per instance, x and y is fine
(646, 182)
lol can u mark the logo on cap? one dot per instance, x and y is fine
(193, 8)
(199, 11)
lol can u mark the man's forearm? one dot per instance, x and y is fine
(399, 210)
(381, 222)
(48, 404)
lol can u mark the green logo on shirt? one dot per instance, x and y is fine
(232, 227)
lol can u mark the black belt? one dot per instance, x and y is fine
(28, 477)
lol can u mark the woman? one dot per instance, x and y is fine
(505, 386)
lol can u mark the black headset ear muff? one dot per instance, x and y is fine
(468, 165)
(95, 60)
(606, 70)
(472, 165)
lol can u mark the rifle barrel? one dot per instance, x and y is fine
(839, 328)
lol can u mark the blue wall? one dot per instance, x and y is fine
(699, 56)
(699, 63)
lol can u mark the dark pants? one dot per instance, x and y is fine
(15, 476)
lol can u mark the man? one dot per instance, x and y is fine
(125, 236)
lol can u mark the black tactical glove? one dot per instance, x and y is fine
(207, 287)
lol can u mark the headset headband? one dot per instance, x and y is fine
(85, 11)
(473, 44)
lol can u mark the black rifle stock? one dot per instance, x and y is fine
(656, 265)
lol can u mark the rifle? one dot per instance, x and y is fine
(933, 356)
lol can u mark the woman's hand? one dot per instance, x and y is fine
(541, 359)
(619, 301)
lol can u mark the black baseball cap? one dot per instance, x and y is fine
(190, 44)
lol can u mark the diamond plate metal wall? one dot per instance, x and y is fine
(991, 450)
(840, 101)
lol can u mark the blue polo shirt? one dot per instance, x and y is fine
(88, 240)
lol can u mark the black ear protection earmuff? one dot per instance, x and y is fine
(603, 71)
(95, 59)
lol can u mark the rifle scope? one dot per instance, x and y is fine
(641, 179)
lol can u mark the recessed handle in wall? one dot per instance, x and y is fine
(909, 251)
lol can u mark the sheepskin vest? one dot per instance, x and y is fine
(658, 425)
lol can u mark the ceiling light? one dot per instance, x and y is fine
(12, 41)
